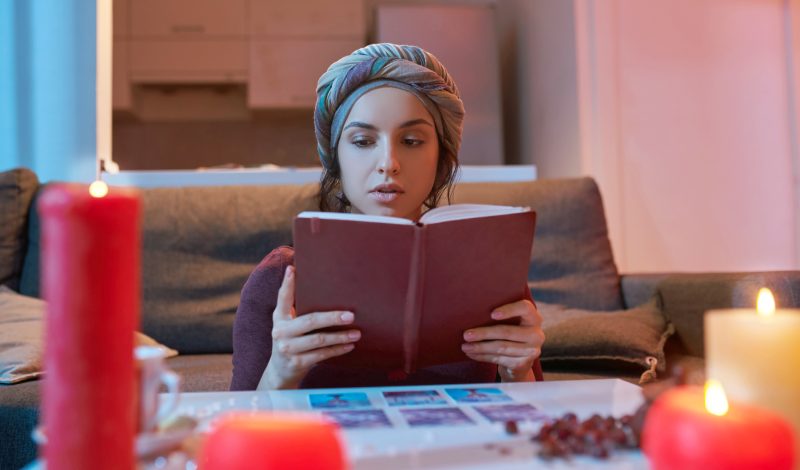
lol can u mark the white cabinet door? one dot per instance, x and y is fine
(284, 72)
(120, 83)
(188, 18)
(195, 61)
(121, 18)
(308, 18)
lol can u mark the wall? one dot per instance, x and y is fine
(48, 88)
(687, 126)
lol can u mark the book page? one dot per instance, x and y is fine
(468, 211)
(380, 219)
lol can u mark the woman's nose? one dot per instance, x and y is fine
(388, 163)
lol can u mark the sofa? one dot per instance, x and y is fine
(199, 244)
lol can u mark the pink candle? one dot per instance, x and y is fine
(686, 430)
(272, 440)
(90, 279)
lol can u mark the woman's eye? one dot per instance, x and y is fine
(363, 143)
(411, 142)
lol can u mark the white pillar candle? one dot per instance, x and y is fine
(755, 354)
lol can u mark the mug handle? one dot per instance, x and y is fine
(172, 381)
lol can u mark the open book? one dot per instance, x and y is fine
(414, 287)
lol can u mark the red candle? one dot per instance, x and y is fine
(680, 433)
(90, 279)
(272, 440)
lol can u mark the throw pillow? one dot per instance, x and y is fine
(631, 337)
(21, 337)
(16, 192)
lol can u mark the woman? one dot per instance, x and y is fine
(388, 124)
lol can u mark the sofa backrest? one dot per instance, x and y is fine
(201, 243)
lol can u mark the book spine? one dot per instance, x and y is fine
(413, 308)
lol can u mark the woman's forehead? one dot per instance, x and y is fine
(388, 107)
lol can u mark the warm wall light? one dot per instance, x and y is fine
(98, 189)
(765, 303)
(716, 401)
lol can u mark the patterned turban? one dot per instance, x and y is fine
(408, 68)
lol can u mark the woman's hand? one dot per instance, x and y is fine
(513, 348)
(295, 350)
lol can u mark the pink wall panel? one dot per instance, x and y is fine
(702, 179)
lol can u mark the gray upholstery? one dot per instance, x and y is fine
(686, 297)
(572, 263)
(16, 192)
(200, 244)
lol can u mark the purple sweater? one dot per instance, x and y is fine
(252, 343)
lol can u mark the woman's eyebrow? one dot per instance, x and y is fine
(370, 127)
(362, 125)
(414, 122)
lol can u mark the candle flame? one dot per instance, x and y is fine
(716, 401)
(98, 189)
(765, 303)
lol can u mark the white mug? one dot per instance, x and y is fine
(151, 373)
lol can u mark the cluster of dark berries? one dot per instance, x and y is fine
(597, 436)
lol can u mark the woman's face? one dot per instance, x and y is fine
(388, 154)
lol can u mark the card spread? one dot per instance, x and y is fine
(338, 400)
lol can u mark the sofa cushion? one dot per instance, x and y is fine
(631, 340)
(687, 296)
(21, 337)
(200, 246)
(16, 192)
(571, 261)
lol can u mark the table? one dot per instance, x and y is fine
(482, 445)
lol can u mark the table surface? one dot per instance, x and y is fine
(479, 445)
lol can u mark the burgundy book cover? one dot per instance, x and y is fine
(414, 288)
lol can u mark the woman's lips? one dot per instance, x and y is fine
(384, 197)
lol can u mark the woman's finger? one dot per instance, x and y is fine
(309, 322)
(501, 348)
(285, 305)
(306, 360)
(524, 309)
(305, 343)
(518, 333)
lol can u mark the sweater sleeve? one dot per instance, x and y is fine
(252, 326)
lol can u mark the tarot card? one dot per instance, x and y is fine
(338, 400)
(359, 418)
(477, 395)
(511, 412)
(414, 397)
(436, 417)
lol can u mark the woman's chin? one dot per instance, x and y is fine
(389, 211)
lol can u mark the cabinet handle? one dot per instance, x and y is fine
(188, 28)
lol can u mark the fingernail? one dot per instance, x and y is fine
(354, 334)
(497, 315)
(467, 347)
(349, 346)
(347, 317)
(289, 271)
(469, 335)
